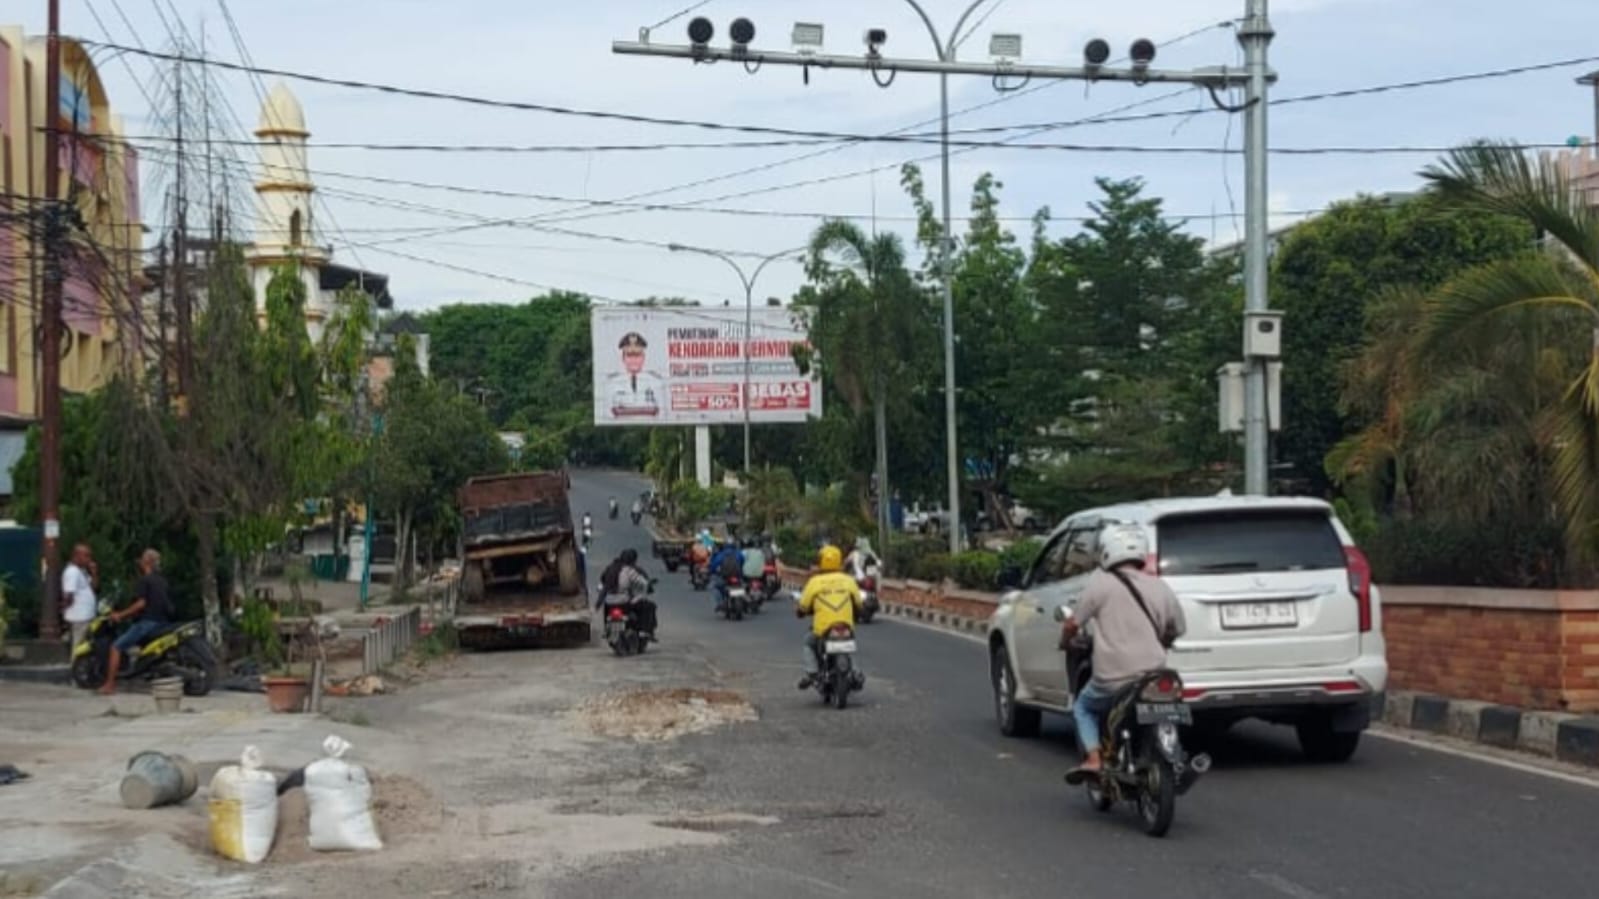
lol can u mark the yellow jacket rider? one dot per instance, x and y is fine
(831, 597)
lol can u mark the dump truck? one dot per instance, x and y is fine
(520, 574)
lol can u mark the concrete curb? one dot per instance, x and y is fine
(1559, 735)
(36, 674)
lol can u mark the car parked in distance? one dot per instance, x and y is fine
(1284, 624)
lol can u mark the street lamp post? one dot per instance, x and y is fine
(748, 280)
(946, 54)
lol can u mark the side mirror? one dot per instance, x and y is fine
(1064, 614)
(1010, 578)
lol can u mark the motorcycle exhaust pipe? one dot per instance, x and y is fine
(1190, 774)
(1200, 763)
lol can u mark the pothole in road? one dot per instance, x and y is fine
(651, 716)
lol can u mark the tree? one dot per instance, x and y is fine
(432, 439)
(1551, 292)
(1326, 273)
(865, 318)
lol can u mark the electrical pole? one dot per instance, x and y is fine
(50, 337)
(1255, 35)
(180, 247)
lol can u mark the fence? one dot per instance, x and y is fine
(389, 638)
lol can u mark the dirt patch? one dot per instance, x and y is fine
(650, 716)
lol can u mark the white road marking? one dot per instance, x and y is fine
(1284, 885)
(970, 638)
(1590, 781)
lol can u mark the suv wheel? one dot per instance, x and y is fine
(1014, 720)
(1321, 743)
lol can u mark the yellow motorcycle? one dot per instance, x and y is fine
(177, 650)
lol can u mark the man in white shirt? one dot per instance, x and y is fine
(78, 584)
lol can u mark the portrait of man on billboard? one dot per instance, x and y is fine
(635, 392)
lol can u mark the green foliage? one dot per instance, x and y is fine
(1330, 269)
(933, 568)
(1020, 555)
(693, 504)
(793, 547)
(1452, 553)
(976, 569)
(905, 552)
(531, 367)
(441, 642)
(771, 498)
(259, 624)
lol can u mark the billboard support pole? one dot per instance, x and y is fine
(702, 454)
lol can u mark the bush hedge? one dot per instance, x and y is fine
(1448, 554)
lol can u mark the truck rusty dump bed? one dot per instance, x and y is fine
(524, 620)
(514, 508)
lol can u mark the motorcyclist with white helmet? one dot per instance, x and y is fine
(1136, 617)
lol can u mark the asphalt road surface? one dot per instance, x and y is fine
(913, 792)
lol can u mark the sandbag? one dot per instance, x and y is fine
(340, 796)
(243, 807)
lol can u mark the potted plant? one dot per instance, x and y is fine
(287, 684)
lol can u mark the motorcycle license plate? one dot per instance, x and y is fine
(1162, 712)
(840, 647)
(738, 593)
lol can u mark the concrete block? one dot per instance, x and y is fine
(1397, 709)
(1577, 741)
(1465, 717)
(1499, 725)
(1540, 731)
(1429, 713)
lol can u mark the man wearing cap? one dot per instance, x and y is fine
(635, 393)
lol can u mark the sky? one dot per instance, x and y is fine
(560, 54)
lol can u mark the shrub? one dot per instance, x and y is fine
(932, 568)
(904, 553)
(1021, 554)
(1460, 554)
(976, 569)
(793, 546)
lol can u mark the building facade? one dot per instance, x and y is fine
(100, 258)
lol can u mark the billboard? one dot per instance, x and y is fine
(685, 366)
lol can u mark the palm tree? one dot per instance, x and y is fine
(1556, 292)
(864, 311)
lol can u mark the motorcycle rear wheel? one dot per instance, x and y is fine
(1157, 798)
(841, 696)
(199, 667)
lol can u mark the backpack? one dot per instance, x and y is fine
(729, 566)
(611, 577)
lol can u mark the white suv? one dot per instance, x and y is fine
(1283, 621)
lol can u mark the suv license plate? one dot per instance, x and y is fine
(839, 647)
(1158, 712)
(1246, 615)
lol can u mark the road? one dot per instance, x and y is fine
(913, 792)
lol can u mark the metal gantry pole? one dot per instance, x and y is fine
(945, 47)
(1255, 35)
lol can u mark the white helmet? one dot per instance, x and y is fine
(1120, 543)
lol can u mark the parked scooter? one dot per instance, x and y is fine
(179, 650)
(1143, 756)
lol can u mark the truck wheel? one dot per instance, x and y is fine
(472, 582)
(566, 569)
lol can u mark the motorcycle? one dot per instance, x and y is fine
(771, 583)
(178, 650)
(1143, 759)
(614, 510)
(621, 628)
(637, 515)
(737, 601)
(588, 535)
(839, 676)
(869, 601)
(699, 575)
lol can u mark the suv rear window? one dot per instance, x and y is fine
(1268, 540)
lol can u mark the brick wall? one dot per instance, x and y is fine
(1504, 656)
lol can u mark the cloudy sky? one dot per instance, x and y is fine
(559, 53)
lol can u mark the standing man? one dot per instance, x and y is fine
(78, 584)
(151, 610)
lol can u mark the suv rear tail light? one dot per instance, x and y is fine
(1360, 584)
